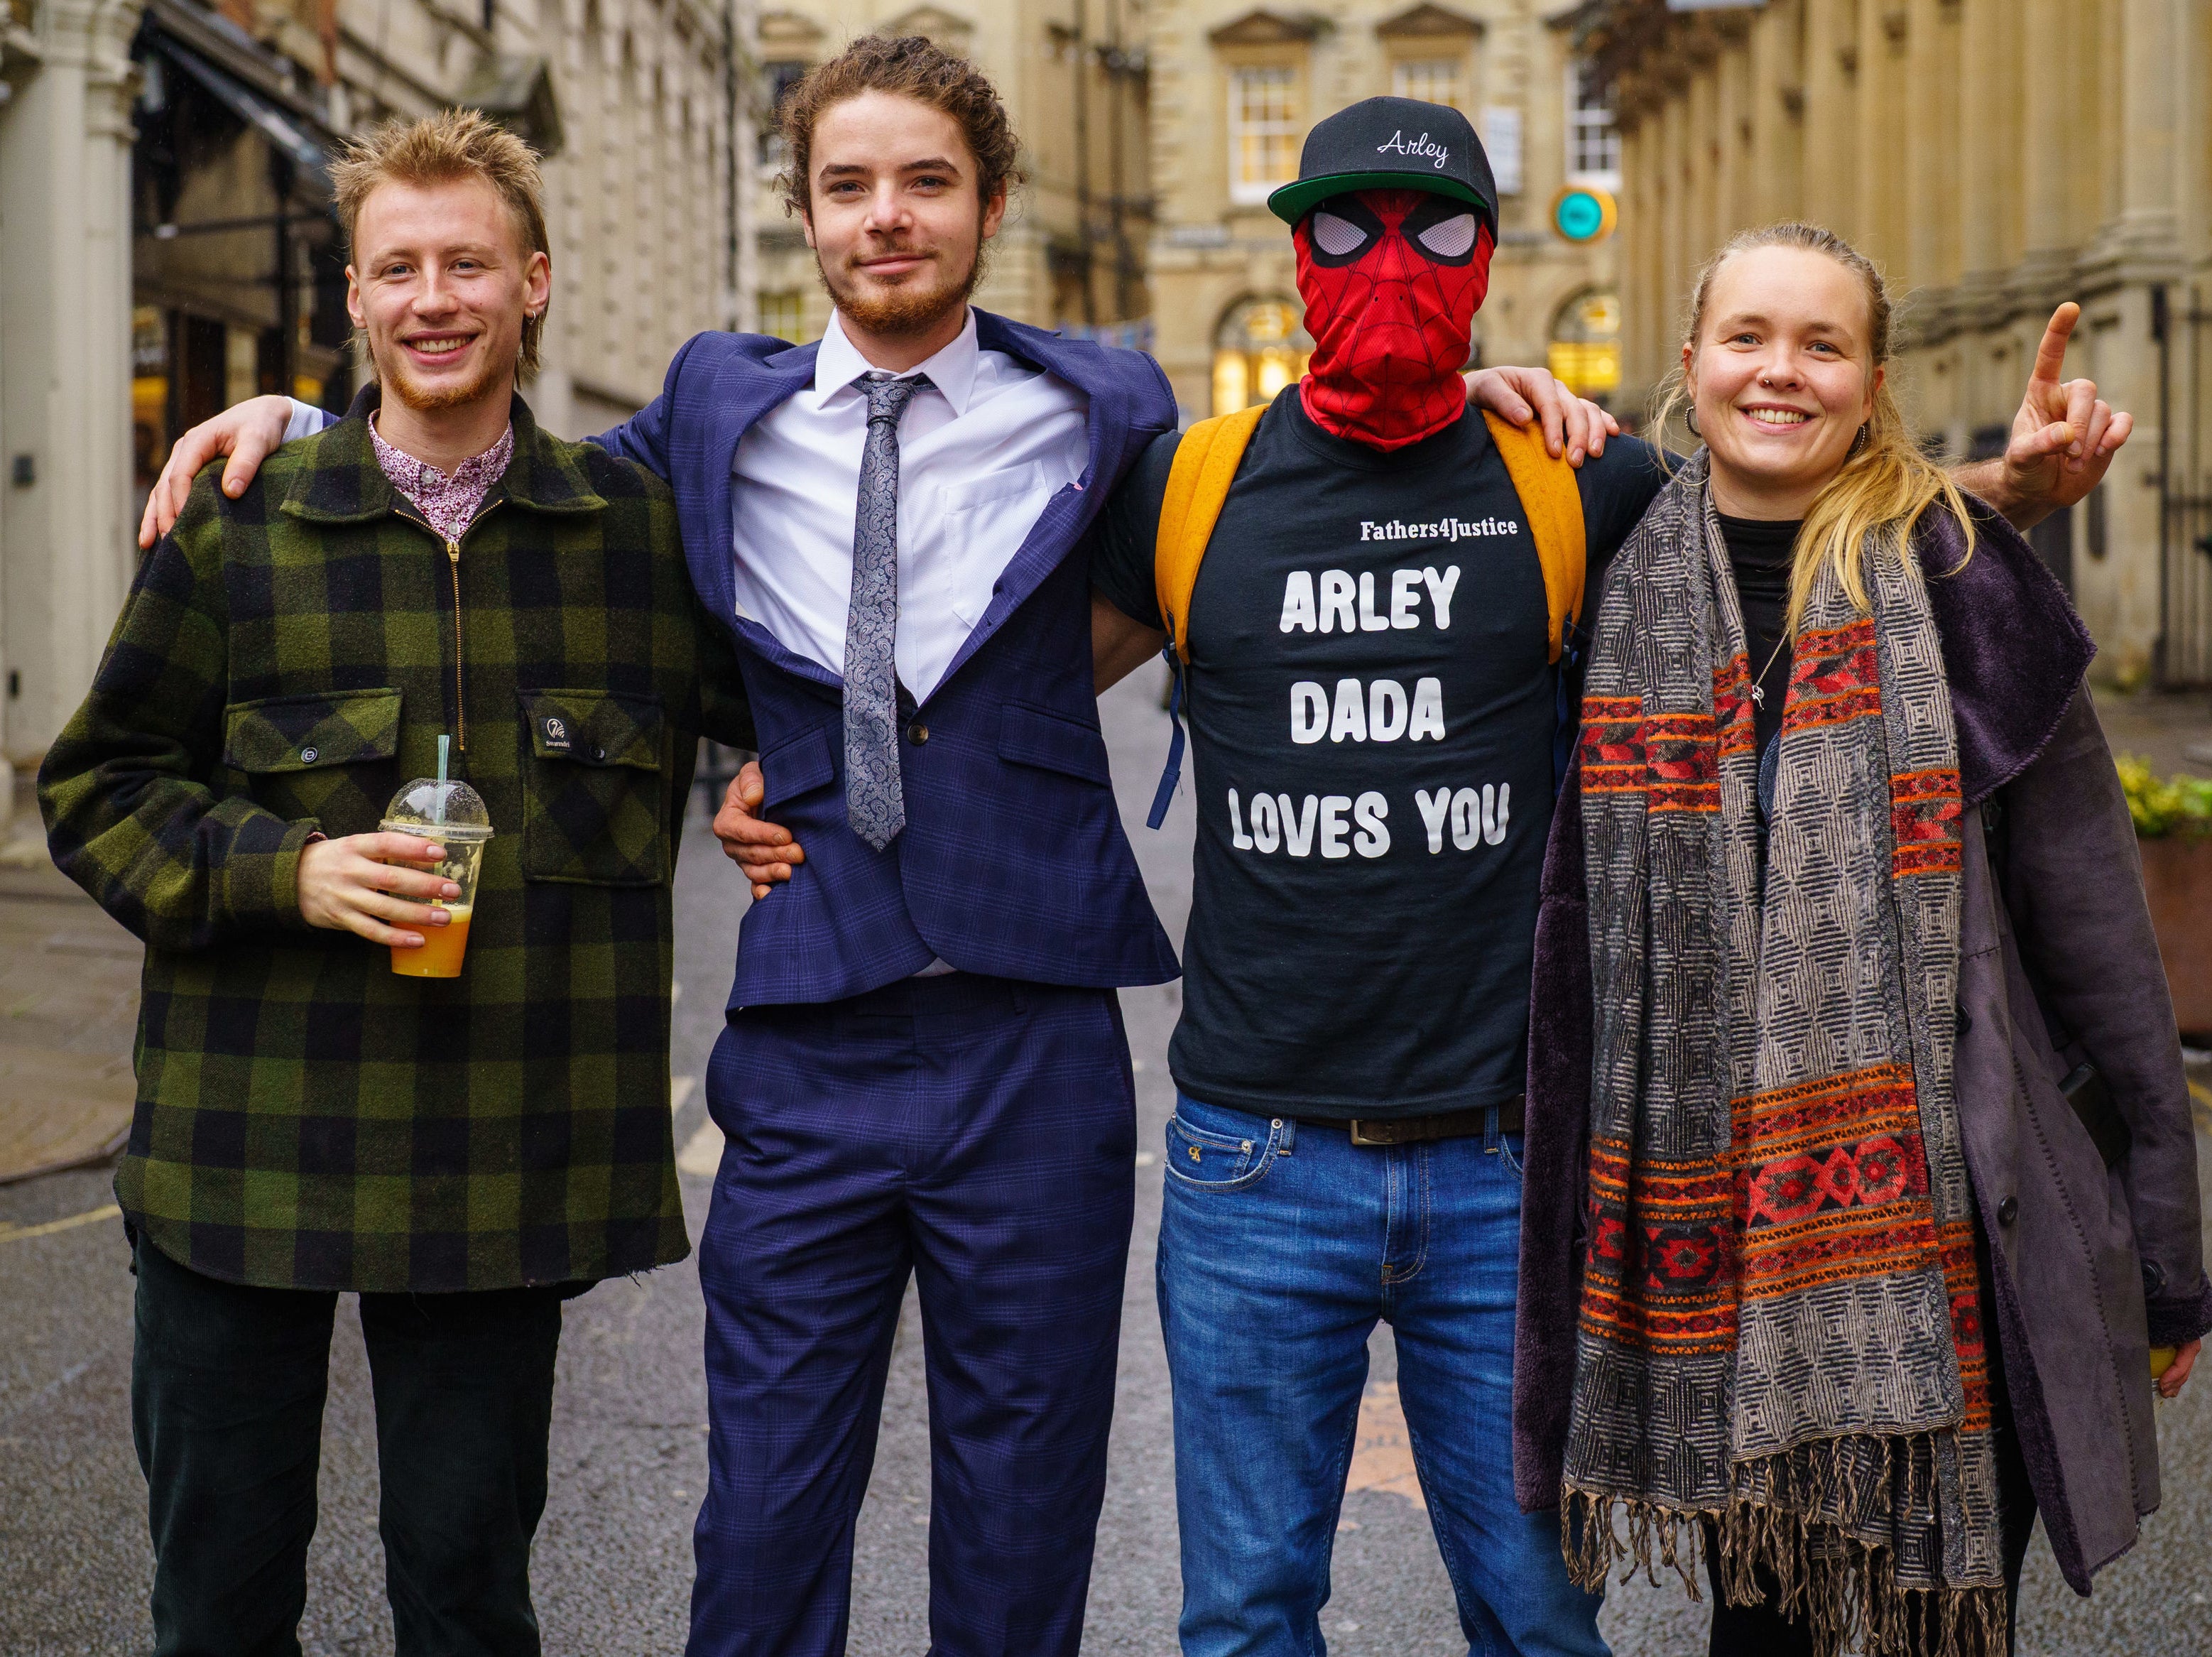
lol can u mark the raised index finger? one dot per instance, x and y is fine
(2050, 355)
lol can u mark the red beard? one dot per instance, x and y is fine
(1391, 317)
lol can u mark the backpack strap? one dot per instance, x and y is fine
(1206, 462)
(1554, 507)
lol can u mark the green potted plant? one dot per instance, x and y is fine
(2173, 829)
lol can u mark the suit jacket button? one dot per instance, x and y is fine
(2009, 1210)
(307, 756)
(917, 733)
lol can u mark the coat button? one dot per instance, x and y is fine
(307, 756)
(917, 733)
(599, 753)
(1966, 1020)
(2009, 1210)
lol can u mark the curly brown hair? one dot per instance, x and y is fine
(911, 67)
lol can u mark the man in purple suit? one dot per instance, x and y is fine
(923, 1070)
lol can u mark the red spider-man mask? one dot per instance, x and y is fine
(1392, 280)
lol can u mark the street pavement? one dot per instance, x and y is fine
(613, 1565)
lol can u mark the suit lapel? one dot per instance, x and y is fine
(741, 392)
(1069, 514)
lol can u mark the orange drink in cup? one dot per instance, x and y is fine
(449, 814)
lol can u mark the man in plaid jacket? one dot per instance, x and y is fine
(464, 1153)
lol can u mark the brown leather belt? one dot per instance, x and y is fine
(1512, 1117)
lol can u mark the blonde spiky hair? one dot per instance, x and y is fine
(454, 144)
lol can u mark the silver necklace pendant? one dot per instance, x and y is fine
(1759, 694)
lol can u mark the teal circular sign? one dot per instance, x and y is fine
(1579, 214)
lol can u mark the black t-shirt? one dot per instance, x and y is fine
(1372, 716)
(1760, 552)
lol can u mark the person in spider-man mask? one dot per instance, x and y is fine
(1373, 707)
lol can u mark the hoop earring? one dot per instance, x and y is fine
(1859, 442)
(1690, 419)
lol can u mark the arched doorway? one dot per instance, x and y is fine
(1260, 347)
(1585, 347)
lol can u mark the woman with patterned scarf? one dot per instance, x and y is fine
(1860, 1293)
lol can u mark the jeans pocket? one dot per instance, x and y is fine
(1204, 1160)
(1509, 1147)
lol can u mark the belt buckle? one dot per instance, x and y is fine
(1360, 1133)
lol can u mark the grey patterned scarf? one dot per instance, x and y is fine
(1779, 1326)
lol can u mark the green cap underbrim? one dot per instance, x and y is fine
(1293, 201)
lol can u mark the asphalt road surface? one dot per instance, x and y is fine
(613, 1562)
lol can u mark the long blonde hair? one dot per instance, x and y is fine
(1886, 485)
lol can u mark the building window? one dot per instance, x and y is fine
(1585, 348)
(1593, 143)
(783, 315)
(1501, 142)
(777, 79)
(1431, 79)
(1263, 132)
(1260, 347)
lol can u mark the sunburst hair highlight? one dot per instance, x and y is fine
(454, 144)
(1887, 485)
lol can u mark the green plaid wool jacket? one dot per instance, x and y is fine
(286, 662)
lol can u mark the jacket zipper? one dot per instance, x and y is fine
(453, 562)
(460, 708)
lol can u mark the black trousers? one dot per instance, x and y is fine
(1761, 1631)
(226, 1390)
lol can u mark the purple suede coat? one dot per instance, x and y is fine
(2091, 1267)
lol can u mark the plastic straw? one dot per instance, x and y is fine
(438, 800)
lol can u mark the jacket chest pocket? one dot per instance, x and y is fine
(594, 805)
(329, 756)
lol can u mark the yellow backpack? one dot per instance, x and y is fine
(1206, 464)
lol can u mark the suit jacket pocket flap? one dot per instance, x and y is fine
(593, 728)
(1037, 736)
(796, 766)
(304, 732)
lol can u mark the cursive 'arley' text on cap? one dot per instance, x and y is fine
(1422, 146)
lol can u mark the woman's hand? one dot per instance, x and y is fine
(362, 884)
(765, 852)
(248, 432)
(2177, 1373)
(2063, 438)
(1571, 424)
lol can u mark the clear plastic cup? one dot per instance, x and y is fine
(451, 814)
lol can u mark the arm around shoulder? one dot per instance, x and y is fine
(127, 790)
(644, 437)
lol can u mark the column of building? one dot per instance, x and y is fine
(65, 558)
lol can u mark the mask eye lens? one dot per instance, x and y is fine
(1337, 237)
(1453, 238)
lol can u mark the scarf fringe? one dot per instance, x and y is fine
(1799, 1518)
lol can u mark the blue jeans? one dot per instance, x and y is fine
(1280, 1244)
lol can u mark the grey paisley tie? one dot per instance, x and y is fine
(874, 803)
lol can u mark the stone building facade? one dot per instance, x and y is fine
(66, 85)
(166, 244)
(1996, 157)
(1235, 89)
(1072, 73)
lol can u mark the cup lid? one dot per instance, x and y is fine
(427, 806)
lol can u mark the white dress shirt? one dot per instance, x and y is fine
(981, 451)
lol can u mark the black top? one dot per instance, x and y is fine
(1759, 552)
(1372, 716)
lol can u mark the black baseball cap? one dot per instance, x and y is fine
(1391, 144)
